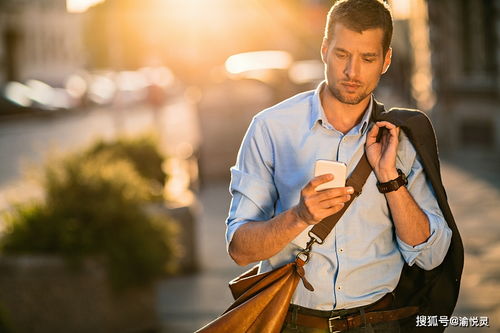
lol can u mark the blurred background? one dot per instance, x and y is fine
(119, 120)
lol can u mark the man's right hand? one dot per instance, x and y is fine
(314, 206)
(261, 240)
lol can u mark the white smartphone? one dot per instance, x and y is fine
(338, 169)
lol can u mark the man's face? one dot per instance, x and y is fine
(354, 63)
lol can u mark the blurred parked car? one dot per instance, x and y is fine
(146, 85)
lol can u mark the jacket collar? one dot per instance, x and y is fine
(378, 111)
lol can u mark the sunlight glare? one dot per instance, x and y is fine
(401, 9)
(80, 6)
(252, 61)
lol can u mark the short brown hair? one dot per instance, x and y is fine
(361, 15)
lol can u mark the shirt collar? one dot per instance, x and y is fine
(318, 114)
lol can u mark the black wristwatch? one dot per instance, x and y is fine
(393, 185)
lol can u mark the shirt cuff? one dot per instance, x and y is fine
(231, 229)
(252, 200)
(261, 193)
(411, 253)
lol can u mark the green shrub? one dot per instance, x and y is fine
(94, 206)
(142, 151)
(5, 326)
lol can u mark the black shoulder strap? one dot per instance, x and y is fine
(439, 287)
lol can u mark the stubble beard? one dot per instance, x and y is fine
(343, 98)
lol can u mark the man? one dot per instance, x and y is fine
(275, 203)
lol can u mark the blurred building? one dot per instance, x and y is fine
(40, 40)
(465, 44)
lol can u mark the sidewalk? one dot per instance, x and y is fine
(474, 196)
(188, 302)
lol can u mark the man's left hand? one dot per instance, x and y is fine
(382, 155)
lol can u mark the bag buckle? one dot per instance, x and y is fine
(330, 324)
(306, 252)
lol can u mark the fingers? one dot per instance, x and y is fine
(393, 129)
(334, 192)
(316, 181)
(313, 214)
(385, 124)
(333, 210)
(315, 206)
(328, 194)
(393, 133)
(391, 139)
(338, 201)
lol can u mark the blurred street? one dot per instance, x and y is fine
(26, 142)
(186, 303)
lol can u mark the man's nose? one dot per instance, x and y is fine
(351, 69)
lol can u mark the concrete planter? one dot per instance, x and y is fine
(41, 294)
(185, 218)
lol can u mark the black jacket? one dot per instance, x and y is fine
(435, 291)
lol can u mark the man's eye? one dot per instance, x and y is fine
(370, 60)
(341, 55)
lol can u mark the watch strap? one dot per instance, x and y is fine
(393, 185)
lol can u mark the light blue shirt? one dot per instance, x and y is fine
(361, 259)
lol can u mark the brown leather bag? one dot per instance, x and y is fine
(262, 300)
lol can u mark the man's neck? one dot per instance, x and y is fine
(340, 115)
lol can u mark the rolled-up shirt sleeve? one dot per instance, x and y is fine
(431, 253)
(252, 186)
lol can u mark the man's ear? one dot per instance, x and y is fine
(387, 60)
(324, 50)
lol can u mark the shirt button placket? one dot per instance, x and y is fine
(340, 150)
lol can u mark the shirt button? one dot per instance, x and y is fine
(339, 287)
(341, 250)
